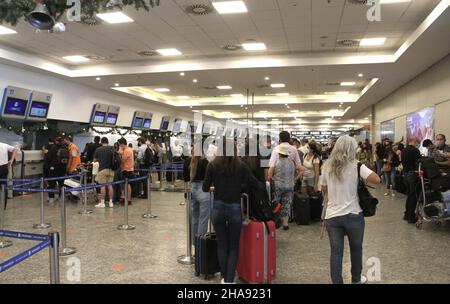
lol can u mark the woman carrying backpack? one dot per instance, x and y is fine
(283, 176)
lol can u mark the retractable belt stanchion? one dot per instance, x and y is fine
(85, 211)
(64, 251)
(162, 176)
(188, 258)
(149, 214)
(54, 257)
(126, 226)
(41, 224)
(3, 243)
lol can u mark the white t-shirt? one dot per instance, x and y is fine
(309, 166)
(343, 195)
(4, 149)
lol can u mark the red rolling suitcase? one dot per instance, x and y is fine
(257, 251)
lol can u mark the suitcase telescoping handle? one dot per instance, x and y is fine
(244, 197)
(211, 203)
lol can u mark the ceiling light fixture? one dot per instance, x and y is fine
(282, 95)
(230, 7)
(182, 74)
(278, 85)
(254, 46)
(360, 75)
(169, 52)
(162, 90)
(76, 58)
(98, 78)
(195, 81)
(224, 87)
(41, 17)
(6, 31)
(116, 84)
(115, 18)
(183, 97)
(372, 41)
(337, 93)
(237, 95)
(348, 84)
(267, 78)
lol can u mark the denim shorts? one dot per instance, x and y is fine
(308, 182)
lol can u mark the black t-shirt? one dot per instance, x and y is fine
(90, 150)
(201, 170)
(104, 157)
(410, 159)
(227, 188)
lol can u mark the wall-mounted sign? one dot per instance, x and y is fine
(112, 115)
(177, 125)
(165, 123)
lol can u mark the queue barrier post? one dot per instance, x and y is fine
(41, 224)
(126, 226)
(188, 259)
(54, 257)
(183, 202)
(3, 243)
(85, 211)
(64, 251)
(149, 214)
(162, 176)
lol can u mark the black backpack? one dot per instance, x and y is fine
(115, 160)
(63, 156)
(261, 208)
(148, 157)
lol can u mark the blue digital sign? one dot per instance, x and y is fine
(138, 122)
(147, 123)
(15, 106)
(111, 119)
(39, 109)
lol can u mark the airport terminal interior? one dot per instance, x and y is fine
(212, 142)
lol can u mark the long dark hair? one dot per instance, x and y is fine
(227, 165)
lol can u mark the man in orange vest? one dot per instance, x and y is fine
(74, 155)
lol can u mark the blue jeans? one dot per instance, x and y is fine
(379, 164)
(351, 225)
(200, 210)
(390, 179)
(227, 221)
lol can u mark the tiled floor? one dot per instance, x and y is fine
(149, 253)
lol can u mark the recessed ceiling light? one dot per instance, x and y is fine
(162, 90)
(278, 85)
(224, 87)
(169, 52)
(76, 58)
(230, 7)
(254, 46)
(114, 18)
(282, 94)
(372, 41)
(267, 78)
(98, 78)
(6, 31)
(263, 111)
(182, 74)
(360, 75)
(183, 97)
(337, 93)
(195, 80)
(348, 84)
(116, 84)
(294, 111)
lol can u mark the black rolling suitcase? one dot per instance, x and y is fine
(206, 259)
(316, 201)
(301, 209)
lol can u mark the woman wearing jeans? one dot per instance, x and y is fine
(343, 215)
(194, 170)
(229, 176)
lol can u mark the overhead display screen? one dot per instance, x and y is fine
(39, 109)
(111, 119)
(99, 117)
(177, 125)
(15, 106)
(147, 123)
(138, 122)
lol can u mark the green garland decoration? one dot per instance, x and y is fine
(11, 11)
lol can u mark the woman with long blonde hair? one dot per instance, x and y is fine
(343, 214)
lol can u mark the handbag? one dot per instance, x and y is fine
(387, 167)
(367, 202)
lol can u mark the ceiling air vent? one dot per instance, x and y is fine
(209, 88)
(199, 9)
(358, 2)
(90, 20)
(263, 86)
(348, 42)
(232, 47)
(148, 53)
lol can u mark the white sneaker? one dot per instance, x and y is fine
(393, 194)
(386, 194)
(101, 205)
(363, 280)
(111, 205)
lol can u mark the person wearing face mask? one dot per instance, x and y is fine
(441, 151)
(410, 161)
